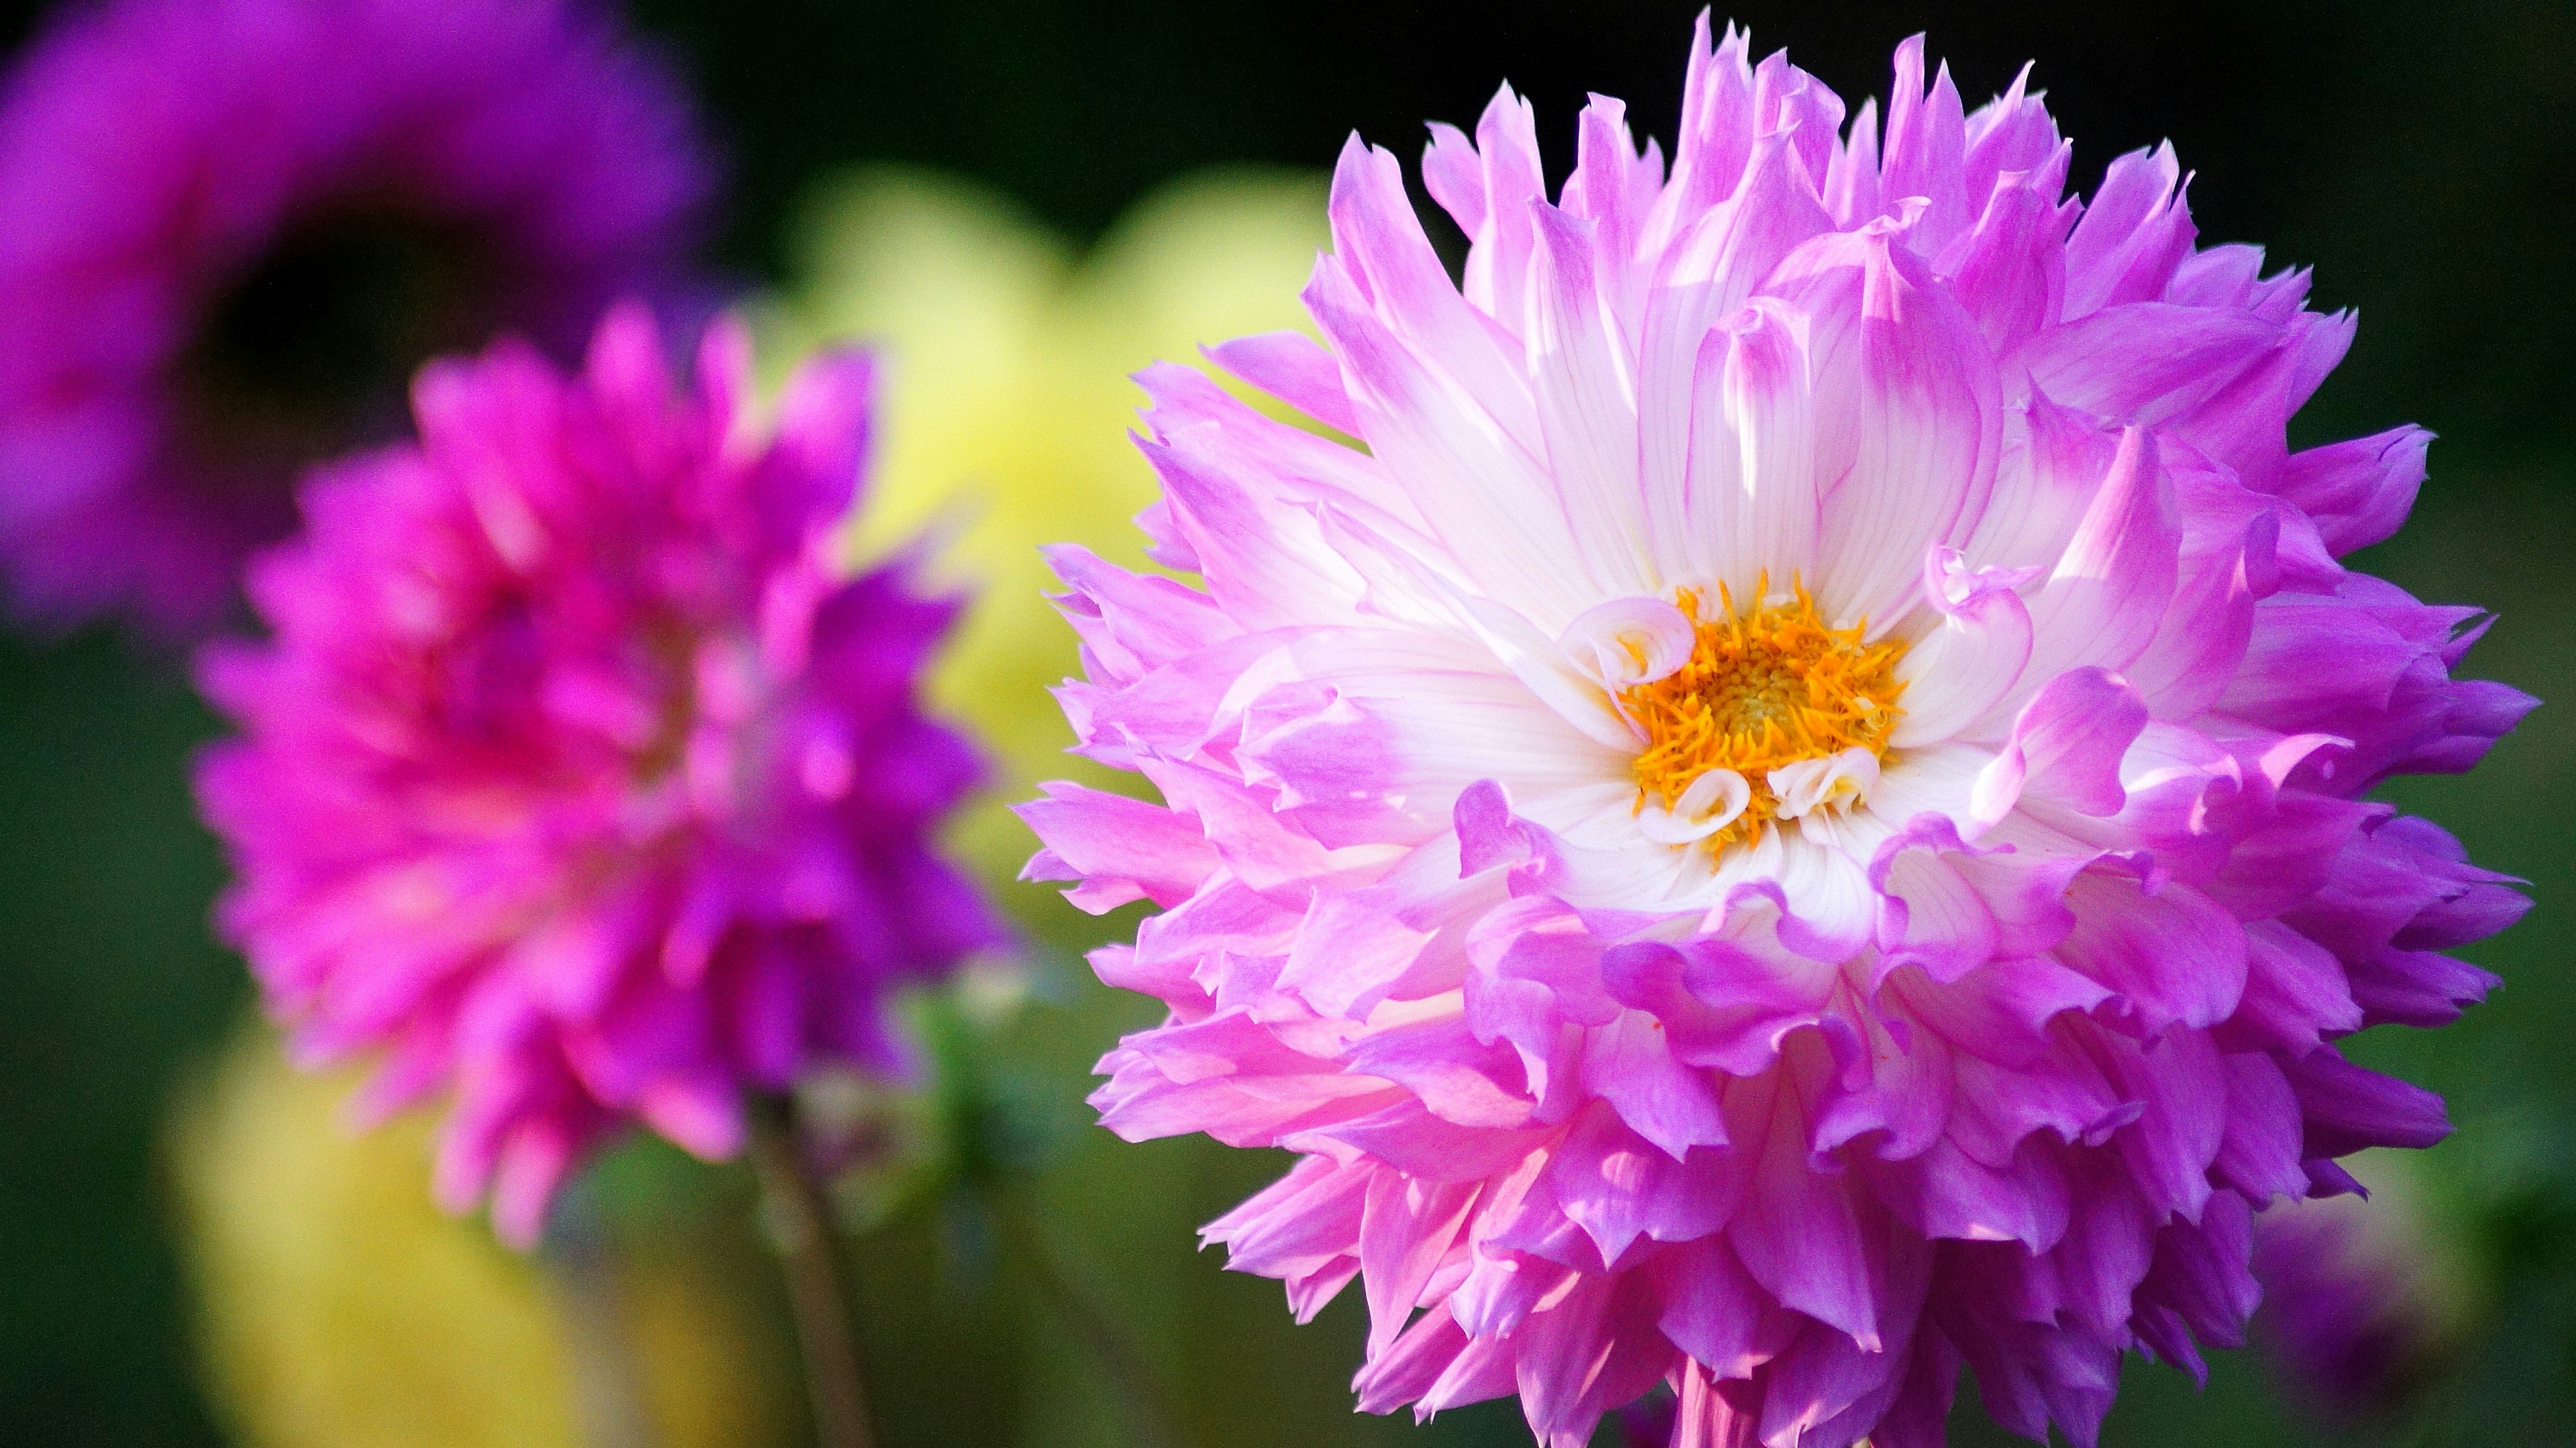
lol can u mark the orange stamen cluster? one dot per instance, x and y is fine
(1764, 688)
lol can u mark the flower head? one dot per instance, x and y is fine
(234, 227)
(1795, 820)
(575, 778)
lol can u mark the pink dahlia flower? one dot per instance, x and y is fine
(230, 230)
(1795, 819)
(576, 781)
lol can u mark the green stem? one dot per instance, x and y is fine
(800, 1212)
(1133, 1386)
(599, 1346)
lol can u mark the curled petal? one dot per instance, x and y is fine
(1708, 804)
(1630, 641)
(1836, 781)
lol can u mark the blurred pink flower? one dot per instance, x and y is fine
(230, 229)
(575, 779)
(1795, 821)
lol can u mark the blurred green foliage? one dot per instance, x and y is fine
(2423, 162)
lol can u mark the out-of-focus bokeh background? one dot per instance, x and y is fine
(1028, 200)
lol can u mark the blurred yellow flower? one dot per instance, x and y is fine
(1007, 405)
(339, 1308)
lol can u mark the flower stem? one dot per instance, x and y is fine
(607, 1383)
(1132, 1384)
(800, 1214)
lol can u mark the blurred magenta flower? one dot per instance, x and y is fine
(230, 229)
(576, 780)
(2356, 1304)
(1794, 822)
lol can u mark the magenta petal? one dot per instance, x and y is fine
(1293, 368)
(1153, 851)
(2349, 1108)
(1619, 1188)
(2066, 747)
(1671, 1104)
(2359, 491)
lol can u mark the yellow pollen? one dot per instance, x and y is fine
(1766, 687)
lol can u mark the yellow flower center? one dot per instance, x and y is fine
(1766, 687)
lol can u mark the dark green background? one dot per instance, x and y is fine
(2423, 159)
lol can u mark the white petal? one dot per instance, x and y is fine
(1826, 887)
(1579, 372)
(1639, 875)
(1936, 780)
(1596, 815)
(1538, 663)
(1753, 486)
(1907, 421)
(1957, 674)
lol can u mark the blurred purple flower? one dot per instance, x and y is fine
(2350, 1316)
(230, 230)
(1648, 1422)
(575, 779)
